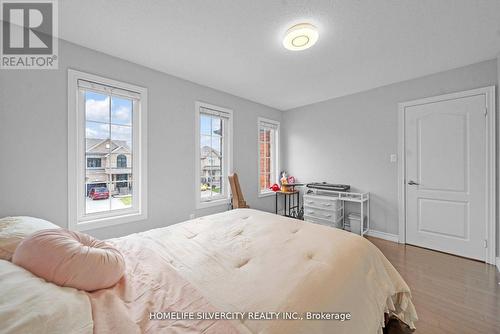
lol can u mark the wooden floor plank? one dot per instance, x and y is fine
(451, 294)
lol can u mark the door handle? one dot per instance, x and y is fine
(413, 183)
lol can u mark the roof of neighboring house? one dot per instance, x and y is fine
(207, 150)
(98, 146)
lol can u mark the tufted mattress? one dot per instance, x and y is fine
(249, 261)
(243, 261)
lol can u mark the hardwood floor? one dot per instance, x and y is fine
(451, 294)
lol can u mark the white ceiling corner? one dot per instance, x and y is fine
(235, 45)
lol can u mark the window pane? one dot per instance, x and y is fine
(121, 187)
(216, 126)
(205, 124)
(211, 156)
(262, 150)
(217, 186)
(267, 149)
(217, 146)
(268, 156)
(267, 165)
(94, 162)
(262, 165)
(205, 141)
(96, 133)
(265, 181)
(262, 182)
(262, 135)
(121, 136)
(106, 173)
(96, 107)
(268, 181)
(97, 198)
(205, 188)
(120, 167)
(121, 111)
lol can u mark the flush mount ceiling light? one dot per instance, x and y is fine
(300, 37)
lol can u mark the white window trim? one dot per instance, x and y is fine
(76, 158)
(260, 120)
(229, 155)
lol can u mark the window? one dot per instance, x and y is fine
(213, 152)
(268, 137)
(121, 185)
(107, 130)
(93, 162)
(121, 161)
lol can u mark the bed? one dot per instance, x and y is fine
(241, 271)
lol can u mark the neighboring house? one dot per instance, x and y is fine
(109, 164)
(210, 166)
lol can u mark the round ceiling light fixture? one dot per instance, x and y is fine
(300, 37)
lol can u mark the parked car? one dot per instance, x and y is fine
(99, 193)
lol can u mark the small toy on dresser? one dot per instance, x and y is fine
(287, 182)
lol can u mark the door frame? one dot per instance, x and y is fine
(490, 205)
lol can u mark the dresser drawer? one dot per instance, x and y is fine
(322, 202)
(321, 221)
(331, 215)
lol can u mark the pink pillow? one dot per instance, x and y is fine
(72, 259)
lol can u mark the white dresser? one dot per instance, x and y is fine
(324, 210)
(328, 208)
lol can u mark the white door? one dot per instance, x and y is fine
(446, 175)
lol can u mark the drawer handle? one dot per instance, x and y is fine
(311, 212)
(310, 202)
(328, 216)
(326, 204)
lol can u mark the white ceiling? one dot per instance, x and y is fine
(235, 45)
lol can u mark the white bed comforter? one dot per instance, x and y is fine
(240, 261)
(28, 304)
(250, 261)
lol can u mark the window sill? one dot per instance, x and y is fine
(266, 194)
(110, 221)
(218, 202)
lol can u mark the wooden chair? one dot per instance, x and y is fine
(238, 201)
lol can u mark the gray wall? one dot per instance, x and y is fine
(350, 139)
(498, 159)
(33, 140)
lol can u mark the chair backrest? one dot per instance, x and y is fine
(238, 200)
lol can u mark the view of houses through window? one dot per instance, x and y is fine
(211, 156)
(108, 149)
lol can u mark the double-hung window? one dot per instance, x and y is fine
(268, 137)
(106, 151)
(213, 154)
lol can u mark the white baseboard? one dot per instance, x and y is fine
(498, 263)
(383, 235)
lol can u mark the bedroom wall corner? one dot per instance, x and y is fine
(350, 139)
(34, 149)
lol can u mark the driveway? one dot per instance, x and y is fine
(100, 205)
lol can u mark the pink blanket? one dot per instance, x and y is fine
(150, 284)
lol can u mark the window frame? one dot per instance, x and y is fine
(227, 158)
(77, 219)
(94, 167)
(275, 155)
(122, 158)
